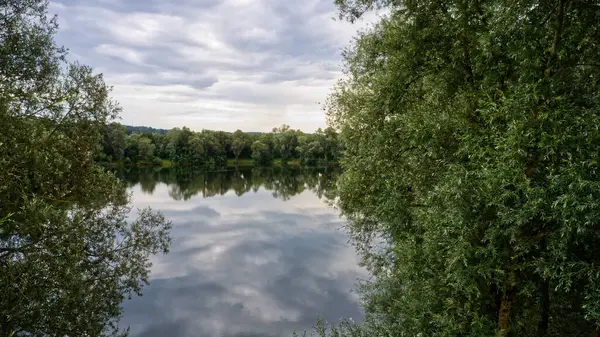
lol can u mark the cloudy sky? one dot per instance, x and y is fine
(213, 64)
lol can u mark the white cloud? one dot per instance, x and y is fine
(128, 54)
(251, 64)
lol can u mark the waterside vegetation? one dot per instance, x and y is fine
(218, 149)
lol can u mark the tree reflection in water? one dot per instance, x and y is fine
(186, 182)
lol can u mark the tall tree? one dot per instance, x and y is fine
(239, 143)
(115, 141)
(68, 257)
(139, 148)
(471, 145)
(179, 143)
(310, 148)
(161, 142)
(146, 148)
(331, 146)
(217, 144)
(198, 149)
(285, 142)
(261, 153)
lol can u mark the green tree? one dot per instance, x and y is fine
(171, 139)
(239, 143)
(198, 149)
(331, 145)
(267, 139)
(146, 149)
(261, 153)
(302, 149)
(114, 142)
(284, 142)
(216, 147)
(161, 142)
(179, 144)
(310, 148)
(471, 147)
(68, 257)
(139, 148)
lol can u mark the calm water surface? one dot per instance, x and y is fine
(255, 253)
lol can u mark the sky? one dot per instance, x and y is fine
(211, 64)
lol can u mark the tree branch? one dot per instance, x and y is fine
(557, 37)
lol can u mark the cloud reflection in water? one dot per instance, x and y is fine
(249, 265)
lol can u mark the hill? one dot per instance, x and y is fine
(143, 129)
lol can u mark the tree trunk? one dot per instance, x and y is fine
(549, 71)
(544, 298)
(506, 305)
(560, 16)
(544, 309)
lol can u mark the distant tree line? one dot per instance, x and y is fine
(129, 129)
(214, 148)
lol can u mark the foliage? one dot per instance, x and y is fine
(68, 257)
(470, 166)
(261, 154)
(320, 146)
(284, 142)
(213, 148)
(115, 142)
(139, 148)
(239, 143)
(345, 328)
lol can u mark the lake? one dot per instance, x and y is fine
(255, 252)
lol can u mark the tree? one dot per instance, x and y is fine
(68, 257)
(132, 151)
(179, 143)
(284, 142)
(261, 153)
(471, 146)
(267, 139)
(115, 141)
(238, 144)
(161, 142)
(331, 145)
(139, 148)
(310, 148)
(198, 149)
(214, 147)
(217, 143)
(146, 148)
(302, 149)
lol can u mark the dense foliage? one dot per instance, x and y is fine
(214, 148)
(470, 172)
(68, 255)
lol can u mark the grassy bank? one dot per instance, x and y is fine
(241, 162)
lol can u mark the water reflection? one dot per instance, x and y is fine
(255, 253)
(188, 182)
